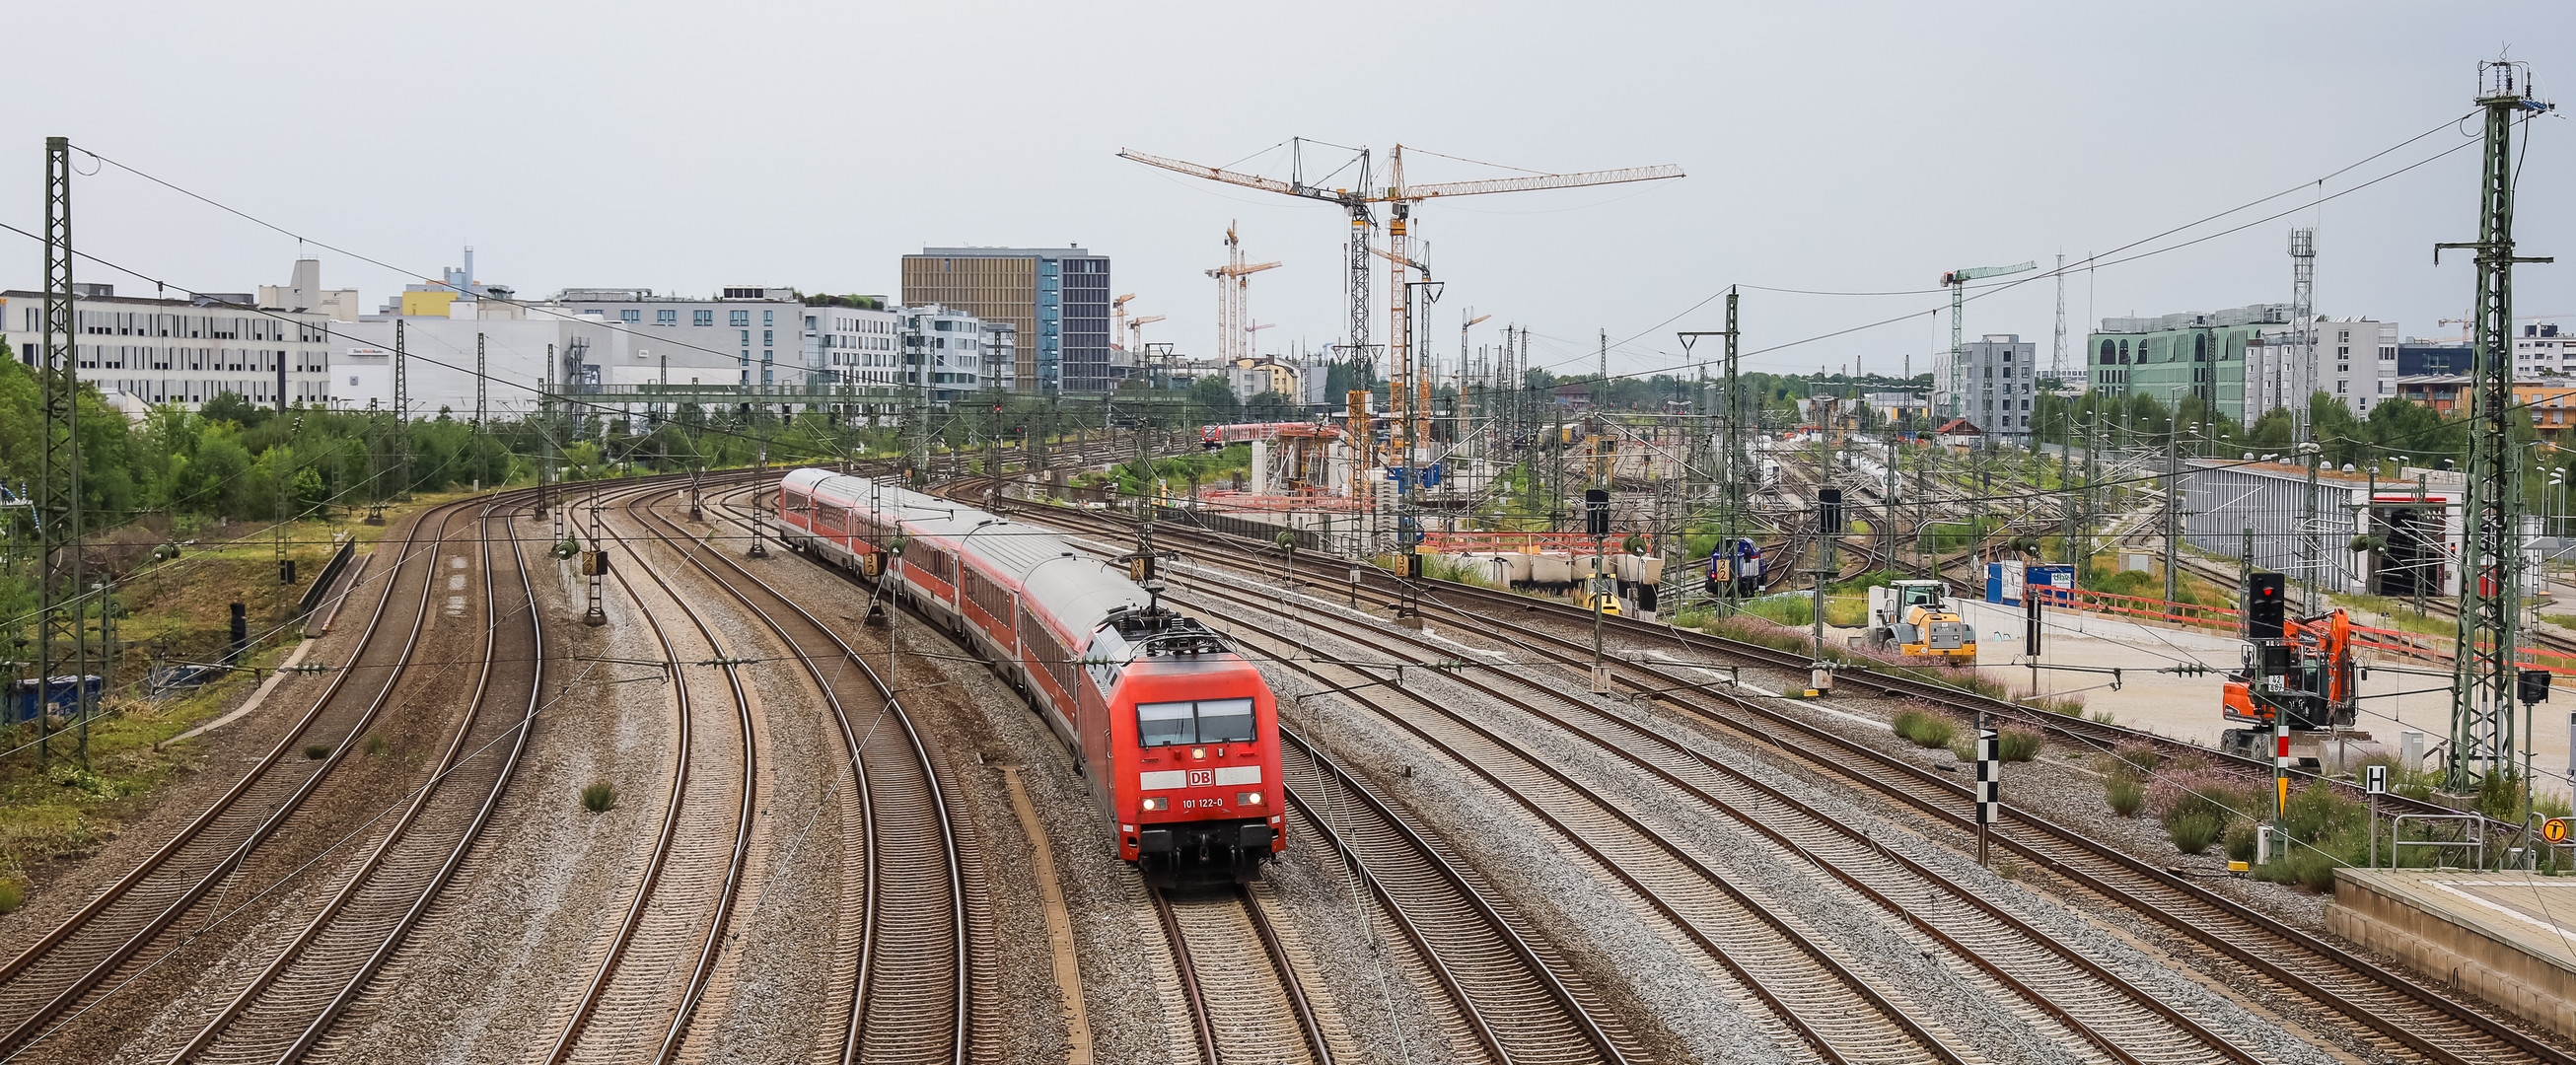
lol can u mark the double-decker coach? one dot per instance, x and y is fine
(1175, 733)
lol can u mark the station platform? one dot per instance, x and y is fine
(2509, 938)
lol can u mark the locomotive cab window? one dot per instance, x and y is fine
(1183, 724)
(1165, 725)
(1225, 721)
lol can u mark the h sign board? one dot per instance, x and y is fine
(2375, 780)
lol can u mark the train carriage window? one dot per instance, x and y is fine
(1165, 725)
(1225, 721)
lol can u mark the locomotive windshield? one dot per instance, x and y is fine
(1204, 721)
(1166, 725)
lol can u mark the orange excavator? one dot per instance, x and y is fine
(2298, 668)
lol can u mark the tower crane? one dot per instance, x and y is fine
(1957, 282)
(1118, 311)
(1233, 294)
(1355, 198)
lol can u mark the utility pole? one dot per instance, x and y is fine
(546, 445)
(2311, 554)
(482, 417)
(2488, 657)
(2173, 516)
(62, 631)
(402, 414)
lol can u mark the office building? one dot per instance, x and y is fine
(1055, 299)
(753, 333)
(140, 351)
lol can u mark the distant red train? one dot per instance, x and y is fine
(1175, 732)
(1213, 437)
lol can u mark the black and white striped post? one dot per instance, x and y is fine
(1989, 784)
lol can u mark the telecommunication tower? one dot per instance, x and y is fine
(2057, 355)
(2487, 665)
(2303, 328)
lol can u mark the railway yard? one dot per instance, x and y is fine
(836, 837)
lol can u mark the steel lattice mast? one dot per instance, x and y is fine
(2482, 690)
(61, 640)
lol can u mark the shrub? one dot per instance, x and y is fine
(2241, 842)
(2017, 745)
(2308, 867)
(598, 798)
(2126, 797)
(317, 751)
(1926, 730)
(2192, 833)
(377, 746)
(11, 896)
(2136, 757)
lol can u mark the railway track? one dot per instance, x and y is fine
(654, 968)
(184, 888)
(2402, 1015)
(1221, 940)
(286, 1007)
(1502, 993)
(923, 984)
(2063, 994)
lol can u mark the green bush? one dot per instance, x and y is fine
(2241, 842)
(1925, 730)
(2192, 833)
(2017, 745)
(598, 798)
(377, 746)
(2126, 796)
(317, 751)
(2309, 867)
(11, 896)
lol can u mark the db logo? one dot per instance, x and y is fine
(1200, 777)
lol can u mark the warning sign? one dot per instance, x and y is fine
(2554, 830)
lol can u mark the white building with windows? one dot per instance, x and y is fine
(2356, 362)
(1994, 384)
(2540, 349)
(948, 346)
(755, 333)
(859, 349)
(141, 351)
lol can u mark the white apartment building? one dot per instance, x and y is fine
(856, 349)
(1993, 384)
(140, 351)
(2541, 350)
(946, 344)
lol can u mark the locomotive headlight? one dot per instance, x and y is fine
(1247, 798)
(1158, 804)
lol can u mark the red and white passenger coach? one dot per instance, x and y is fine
(1175, 732)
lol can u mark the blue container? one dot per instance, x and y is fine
(64, 696)
(2055, 576)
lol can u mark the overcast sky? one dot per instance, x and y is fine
(1843, 147)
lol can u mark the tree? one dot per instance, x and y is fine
(1212, 395)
